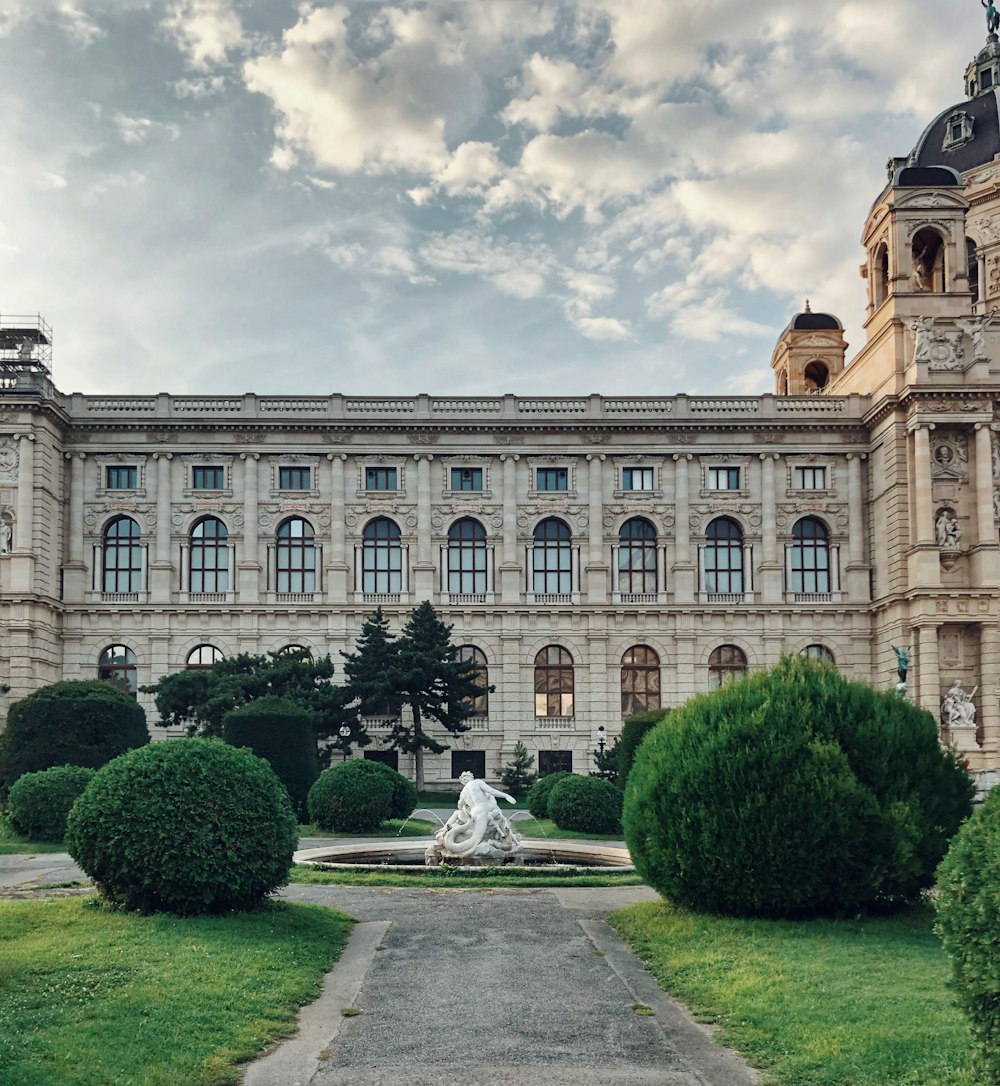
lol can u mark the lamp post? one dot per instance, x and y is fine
(344, 733)
(601, 733)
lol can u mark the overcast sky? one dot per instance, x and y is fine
(617, 196)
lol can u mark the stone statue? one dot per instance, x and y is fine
(947, 531)
(921, 329)
(902, 664)
(992, 16)
(477, 832)
(957, 709)
(6, 535)
(921, 268)
(977, 331)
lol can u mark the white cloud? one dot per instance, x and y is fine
(606, 328)
(139, 129)
(205, 31)
(201, 87)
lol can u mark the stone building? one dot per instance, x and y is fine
(596, 555)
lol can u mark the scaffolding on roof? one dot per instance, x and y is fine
(25, 344)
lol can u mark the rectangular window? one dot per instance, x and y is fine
(208, 478)
(122, 477)
(380, 479)
(466, 478)
(386, 757)
(723, 478)
(553, 479)
(294, 478)
(554, 761)
(468, 761)
(637, 478)
(986, 79)
(810, 478)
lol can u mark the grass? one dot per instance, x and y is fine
(465, 878)
(11, 843)
(444, 800)
(815, 1003)
(95, 997)
(394, 827)
(545, 827)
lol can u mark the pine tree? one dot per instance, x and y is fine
(430, 682)
(516, 776)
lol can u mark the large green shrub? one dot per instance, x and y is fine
(538, 793)
(353, 797)
(793, 792)
(186, 826)
(404, 792)
(634, 730)
(968, 921)
(586, 804)
(39, 802)
(281, 732)
(71, 723)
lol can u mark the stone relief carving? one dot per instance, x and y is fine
(442, 515)
(355, 515)
(425, 439)
(6, 530)
(816, 340)
(949, 457)
(513, 438)
(230, 511)
(915, 227)
(97, 512)
(575, 514)
(835, 513)
(976, 330)
(957, 708)
(9, 456)
(338, 437)
(702, 514)
(249, 437)
(939, 347)
(662, 515)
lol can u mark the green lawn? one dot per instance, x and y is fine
(11, 843)
(93, 997)
(816, 1003)
(545, 827)
(394, 827)
(467, 878)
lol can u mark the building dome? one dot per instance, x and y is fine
(808, 321)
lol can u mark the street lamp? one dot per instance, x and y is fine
(344, 733)
(600, 750)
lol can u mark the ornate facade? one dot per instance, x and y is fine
(596, 555)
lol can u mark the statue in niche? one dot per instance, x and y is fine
(947, 531)
(921, 266)
(6, 536)
(957, 709)
(977, 331)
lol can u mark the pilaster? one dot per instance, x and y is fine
(337, 570)
(424, 567)
(248, 568)
(596, 569)
(684, 570)
(771, 567)
(161, 569)
(511, 573)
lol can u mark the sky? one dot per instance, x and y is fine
(629, 197)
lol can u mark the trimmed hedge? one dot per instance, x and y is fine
(538, 794)
(634, 730)
(792, 793)
(281, 732)
(71, 723)
(39, 803)
(586, 804)
(403, 800)
(968, 921)
(353, 797)
(185, 826)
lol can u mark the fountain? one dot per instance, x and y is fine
(477, 834)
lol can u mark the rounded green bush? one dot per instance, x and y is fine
(538, 794)
(793, 792)
(404, 791)
(39, 803)
(85, 722)
(282, 733)
(968, 921)
(353, 797)
(586, 804)
(186, 826)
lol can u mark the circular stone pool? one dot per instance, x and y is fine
(408, 855)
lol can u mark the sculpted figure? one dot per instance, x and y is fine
(921, 268)
(992, 16)
(477, 829)
(977, 331)
(921, 329)
(5, 537)
(902, 663)
(957, 709)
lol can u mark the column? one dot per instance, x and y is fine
(21, 568)
(249, 568)
(924, 563)
(423, 568)
(161, 568)
(510, 566)
(595, 568)
(75, 569)
(989, 700)
(858, 588)
(683, 571)
(337, 568)
(771, 565)
(928, 692)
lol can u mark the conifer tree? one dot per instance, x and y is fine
(371, 668)
(517, 776)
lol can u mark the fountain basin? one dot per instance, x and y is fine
(408, 855)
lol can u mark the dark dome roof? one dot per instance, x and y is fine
(979, 148)
(809, 320)
(926, 177)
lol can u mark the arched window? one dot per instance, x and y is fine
(973, 269)
(818, 652)
(296, 565)
(299, 651)
(202, 658)
(480, 705)
(122, 570)
(553, 559)
(724, 556)
(810, 564)
(117, 664)
(637, 556)
(881, 283)
(640, 680)
(553, 682)
(382, 557)
(816, 375)
(209, 556)
(467, 557)
(928, 261)
(727, 662)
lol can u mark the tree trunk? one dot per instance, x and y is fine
(418, 754)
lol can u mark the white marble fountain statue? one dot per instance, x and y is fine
(477, 833)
